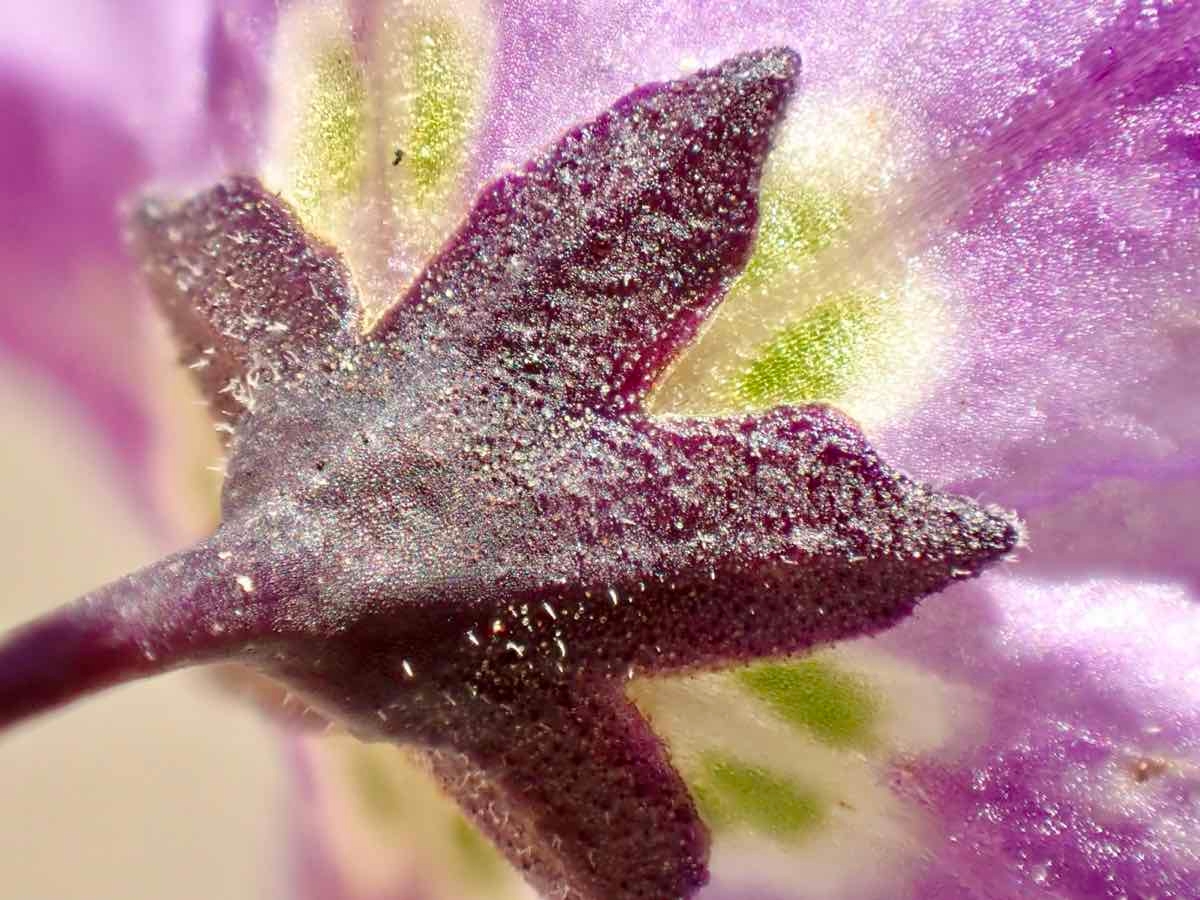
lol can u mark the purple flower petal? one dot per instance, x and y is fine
(186, 78)
(66, 279)
(1075, 251)
(1038, 179)
(1122, 528)
(83, 130)
(1085, 781)
(236, 96)
(447, 532)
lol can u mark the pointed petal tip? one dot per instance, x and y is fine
(773, 63)
(146, 214)
(245, 288)
(773, 72)
(674, 166)
(140, 218)
(981, 535)
(1015, 534)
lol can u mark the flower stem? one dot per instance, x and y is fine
(175, 612)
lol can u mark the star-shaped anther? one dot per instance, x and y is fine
(459, 530)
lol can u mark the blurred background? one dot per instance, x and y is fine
(164, 789)
(161, 790)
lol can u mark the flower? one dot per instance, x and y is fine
(977, 238)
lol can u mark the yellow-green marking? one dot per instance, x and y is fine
(813, 694)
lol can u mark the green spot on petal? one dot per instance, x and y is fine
(794, 222)
(329, 152)
(815, 358)
(730, 793)
(813, 694)
(375, 786)
(444, 85)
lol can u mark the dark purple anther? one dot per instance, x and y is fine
(460, 531)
